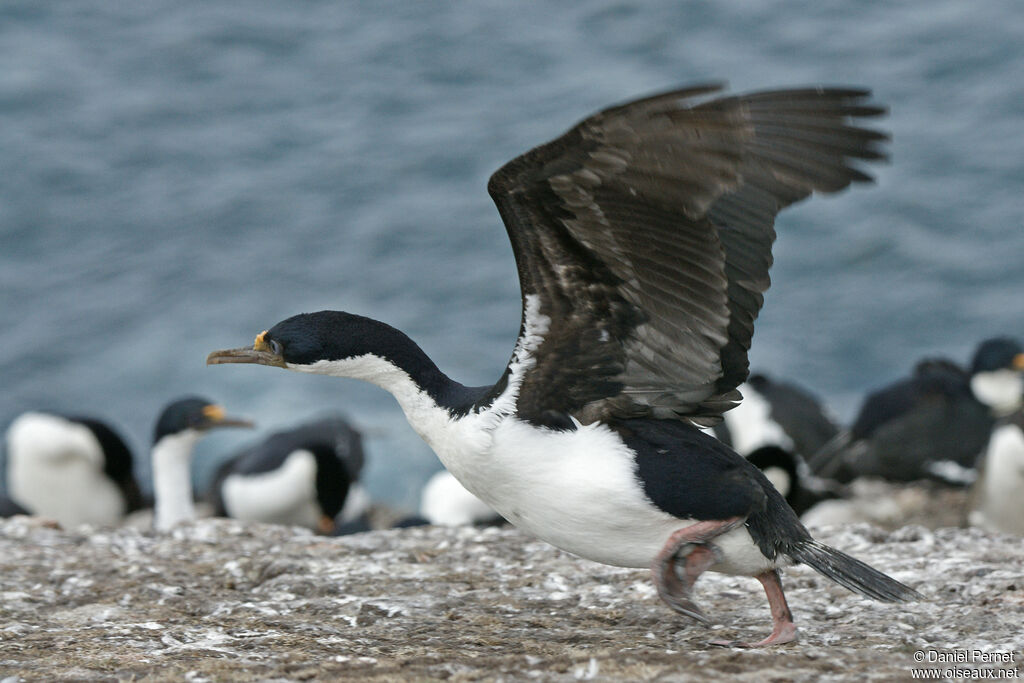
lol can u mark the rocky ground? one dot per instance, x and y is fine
(891, 506)
(226, 601)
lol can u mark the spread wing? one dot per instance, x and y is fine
(644, 233)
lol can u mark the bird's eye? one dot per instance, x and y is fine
(276, 348)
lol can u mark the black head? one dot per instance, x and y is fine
(308, 338)
(326, 335)
(193, 413)
(1000, 353)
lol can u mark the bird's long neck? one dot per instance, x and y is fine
(429, 398)
(398, 365)
(172, 478)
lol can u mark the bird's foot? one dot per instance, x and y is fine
(676, 591)
(783, 628)
(782, 633)
(692, 547)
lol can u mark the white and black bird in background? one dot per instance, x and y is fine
(931, 425)
(306, 476)
(78, 470)
(72, 469)
(642, 239)
(178, 429)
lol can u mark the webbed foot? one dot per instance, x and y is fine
(692, 545)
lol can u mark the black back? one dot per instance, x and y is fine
(692, 475)
(901, 429)
(935, 380)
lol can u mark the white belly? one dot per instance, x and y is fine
(1001, 505)
(579, 491)
(73, 493)
(286, 495)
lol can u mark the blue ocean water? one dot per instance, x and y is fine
(177, 176)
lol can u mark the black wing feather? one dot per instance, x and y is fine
(646, 231)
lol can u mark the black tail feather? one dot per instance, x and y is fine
(851, 573)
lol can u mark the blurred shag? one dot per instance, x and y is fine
(931, 425)
(178, 429)
(776, 426)
(72, 469)
(305, 476)
(78, 470)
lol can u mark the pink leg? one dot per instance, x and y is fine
(693, 544)
(783, 628)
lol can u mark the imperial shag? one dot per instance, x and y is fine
(643, 240)
(78, 470)
(72, 469)
(178, 429)
(305, 476)
(931, 425)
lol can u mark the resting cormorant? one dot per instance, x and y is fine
(304, 476)
(75, 470)
(178, 429)
(932, 425)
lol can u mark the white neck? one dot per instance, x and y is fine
(422, 412)
(1000, 390)
(172, 478)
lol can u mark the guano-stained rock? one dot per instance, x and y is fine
(220, 600)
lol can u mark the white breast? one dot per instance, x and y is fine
(1001, 498)
(171, 457)
(286, 495)
(55, 470)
